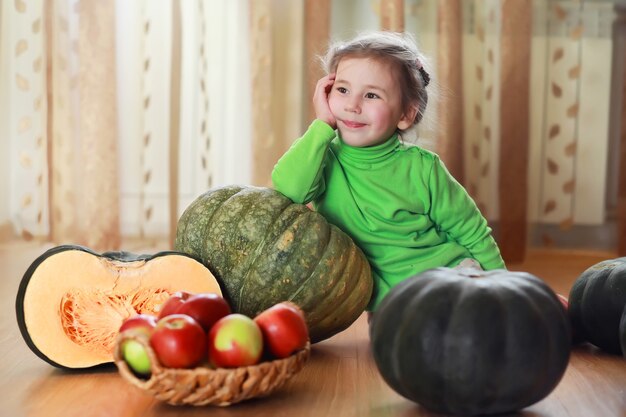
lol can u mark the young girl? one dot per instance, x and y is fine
(398, 202)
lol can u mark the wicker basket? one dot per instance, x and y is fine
(209, 386)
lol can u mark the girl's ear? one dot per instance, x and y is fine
(407, 118)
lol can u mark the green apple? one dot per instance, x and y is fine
(135, 355)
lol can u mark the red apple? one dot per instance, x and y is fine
(284, 329)
(205, 308)
(178, 341)
(141, 321)
(171, 305)
(235, 340)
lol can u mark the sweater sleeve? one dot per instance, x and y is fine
(456, 214)
(298, 174)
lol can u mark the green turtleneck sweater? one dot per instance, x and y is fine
(398, 203)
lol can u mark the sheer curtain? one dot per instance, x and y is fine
(118, 114)
(538, 84)
(60, 102)
(572, 197)
(523, 115)
(184, 107)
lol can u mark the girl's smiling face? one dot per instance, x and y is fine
(367, 102)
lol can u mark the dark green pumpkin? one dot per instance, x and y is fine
(622, 332)
(265, 249)
(471, 342)
(597, 300)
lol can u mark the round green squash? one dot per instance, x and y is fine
(471, 342)
(265, 249)
(597, 300)
(622, 332)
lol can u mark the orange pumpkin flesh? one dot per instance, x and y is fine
(72, 301)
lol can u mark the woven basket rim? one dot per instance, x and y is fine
(189, 386)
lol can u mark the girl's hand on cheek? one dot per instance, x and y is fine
(320, 100)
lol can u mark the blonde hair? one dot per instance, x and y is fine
(397, 49)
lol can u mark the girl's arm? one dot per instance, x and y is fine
(298, 174)
(456, 214)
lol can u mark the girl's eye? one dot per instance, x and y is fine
(371, 95)
(342, 90)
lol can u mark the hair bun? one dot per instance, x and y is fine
(425, 76)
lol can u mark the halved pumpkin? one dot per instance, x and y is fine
(71, 301)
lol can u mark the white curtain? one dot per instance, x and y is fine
(23, 165)
(214, 138)
(232, 128)
(214, 115)
(571, 90)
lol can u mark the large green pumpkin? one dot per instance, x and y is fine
(596, 302)
(471, 342)
(622, 332)
(264, 249)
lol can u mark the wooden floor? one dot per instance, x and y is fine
(340, 378)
